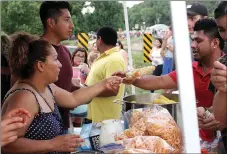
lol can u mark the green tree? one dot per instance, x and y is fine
(151, 12)
(108, 13)
(21, 16)
(78, 18)
(155, 12)
(24, 16)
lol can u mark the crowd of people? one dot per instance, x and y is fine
(43, 81)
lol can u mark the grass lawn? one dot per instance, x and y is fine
(69, 42)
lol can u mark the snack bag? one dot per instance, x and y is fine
(132, 151)
(94, 136)
(90, 133)
(154, 144)
(153, 121)
(163, 125)
(84, 134)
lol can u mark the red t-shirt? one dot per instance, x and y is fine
(64, 78)
(204, 96)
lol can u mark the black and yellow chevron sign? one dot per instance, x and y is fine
(83, 40)
(147, 47)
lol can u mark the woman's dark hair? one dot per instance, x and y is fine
(26, 51)
(5, 45)
(81, 50)
(160, 40)
(120, 44)
(5, 75)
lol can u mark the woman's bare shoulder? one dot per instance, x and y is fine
(20, 97)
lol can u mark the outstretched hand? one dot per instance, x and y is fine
(126, 79)
(218, 76)
(113, 83)
(19, 112)
(11, 123)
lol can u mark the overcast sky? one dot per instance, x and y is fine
(131, 3)
(128, 3)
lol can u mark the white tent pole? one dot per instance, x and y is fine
(128, 41)
(185, 77)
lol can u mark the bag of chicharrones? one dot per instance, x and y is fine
(135, 118)
(163, 125)
(153, 121)
(132, 151)
(133, 115)
(153, 144)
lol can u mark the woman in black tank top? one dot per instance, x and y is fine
(36, 65)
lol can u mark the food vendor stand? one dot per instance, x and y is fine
(185, 78)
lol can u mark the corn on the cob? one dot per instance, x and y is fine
(163, 100)
(145, 70)
(140, 72)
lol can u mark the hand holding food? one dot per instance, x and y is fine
(145, 70)
(137, 73)
(130, 76)
(211, 123)
(113, 83)
(219, 75)
(207, 119)
(66, 143)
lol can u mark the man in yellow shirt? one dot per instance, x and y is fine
(110, 60)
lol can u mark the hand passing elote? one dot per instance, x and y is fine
(145, 70)
(130, 76)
